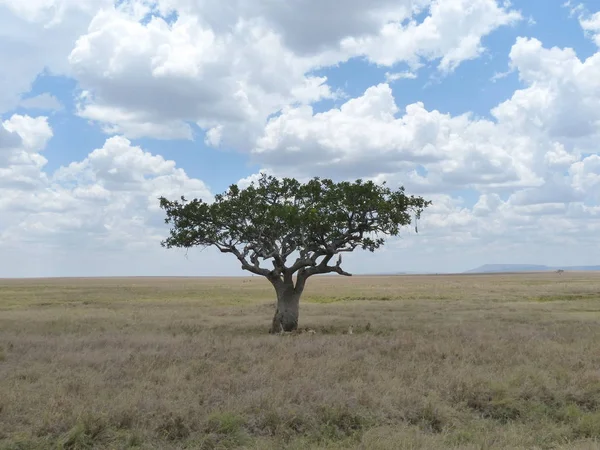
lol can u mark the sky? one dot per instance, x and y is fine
(489, 108)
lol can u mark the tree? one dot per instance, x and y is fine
(284, 220)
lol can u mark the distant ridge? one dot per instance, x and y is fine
(499, 268)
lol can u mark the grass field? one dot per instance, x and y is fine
(433, 362)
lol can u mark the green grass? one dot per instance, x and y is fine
(569, 296)
(433, 362)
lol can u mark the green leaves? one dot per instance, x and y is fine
(275, 217)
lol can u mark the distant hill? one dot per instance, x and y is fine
(500, 268)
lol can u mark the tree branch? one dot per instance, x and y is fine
(254, 268)
(321, 268)
(305, 261)
(344, 245)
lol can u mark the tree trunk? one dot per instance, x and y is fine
(287, 312)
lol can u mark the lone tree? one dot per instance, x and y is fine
(299, 227)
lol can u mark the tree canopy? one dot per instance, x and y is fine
(299, 227)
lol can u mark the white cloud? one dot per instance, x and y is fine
(586, 176)
(229, 72)
(591, 25)
(9, 139)
(452, 33)
(34, 132)
(365, 138)
(487, 204)
(539, 133)
(390, 77)
(108, 202)
(155, 79)
(590, 22)
(496, 231)
(21, 140)
(115, 190)
(98, 216)
(291, 20)
(214, 136)
(43, 101)
(500, 75)
(254, 178)
(36, 36)
(561, 97)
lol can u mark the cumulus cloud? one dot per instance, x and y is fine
(43, 101)
(113, 193)
(497, 231)
(590, 22)
(254, 178)
(156, 79)
(537, 134)
(586, 176)
(390, 77)
(592, 26)
(365, 138)
(21, 140)
(227, 68)
(327, 22)
(106, 202)
(97, 216)
(37, 36)
(8, 139)
(451, 33)
(561, 95)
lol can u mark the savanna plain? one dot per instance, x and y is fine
(432, 362)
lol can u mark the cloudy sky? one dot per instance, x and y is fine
(490, 108)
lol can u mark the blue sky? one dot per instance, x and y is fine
(225, 102)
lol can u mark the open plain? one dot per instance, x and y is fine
(433, 362)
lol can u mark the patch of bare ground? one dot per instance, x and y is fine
(432, 362)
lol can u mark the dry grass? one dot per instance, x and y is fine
(434, 362)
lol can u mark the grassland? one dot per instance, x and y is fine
(433, 362)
